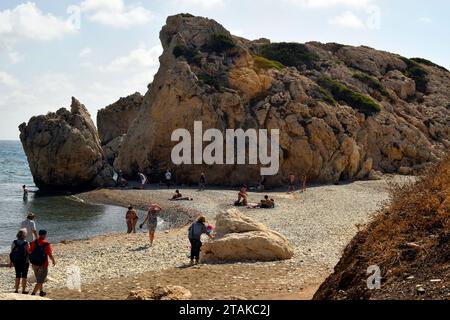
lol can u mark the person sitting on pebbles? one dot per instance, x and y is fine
(242, 197)
(152, 221)
(179, 197)
(266, 203)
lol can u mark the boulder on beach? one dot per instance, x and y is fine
(64, 152)
(239, 238)
(161, 293)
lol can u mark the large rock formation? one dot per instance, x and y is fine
(115, 120)
(63, 150)
(342, 111)
(239, 238)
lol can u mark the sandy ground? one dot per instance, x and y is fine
(319, 224)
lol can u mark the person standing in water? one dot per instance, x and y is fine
(30, 226)
(131, 218)
(152, 221)
(25, 193)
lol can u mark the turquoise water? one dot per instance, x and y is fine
(63, 217)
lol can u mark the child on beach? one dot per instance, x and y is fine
(19, 258)
(131, 218)
(152, 221)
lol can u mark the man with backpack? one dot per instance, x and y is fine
(40, 251)
(19, 258)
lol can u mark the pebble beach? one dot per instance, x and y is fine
(319, 224)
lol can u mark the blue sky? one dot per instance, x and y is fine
(100, 50)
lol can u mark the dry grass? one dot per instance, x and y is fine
(410, 236)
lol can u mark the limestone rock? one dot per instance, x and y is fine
(327, 141)
(161, 293)
(63, 150)
(239, 238)
(115, 120)
(111, 149)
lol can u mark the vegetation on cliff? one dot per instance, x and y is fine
(356, 100)
(289, 54)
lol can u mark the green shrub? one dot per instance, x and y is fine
(186, 15)
(356, 100)
(372, 82)
(428, 63)
(263, 63)
(416, 72)
(212, 81)
(193, 56)
(219, 42)
(289, 54)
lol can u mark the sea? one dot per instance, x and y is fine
(64, 217)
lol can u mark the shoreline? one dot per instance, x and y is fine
(319, 224)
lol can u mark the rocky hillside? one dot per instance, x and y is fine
(343, 112)
(409, 241)
(64, 152)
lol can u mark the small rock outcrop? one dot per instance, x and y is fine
(63, 150)
(115, 120)
(161, 293)
(239, 238)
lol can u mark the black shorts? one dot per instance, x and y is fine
(21, 270)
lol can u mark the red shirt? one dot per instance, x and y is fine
(47, 250)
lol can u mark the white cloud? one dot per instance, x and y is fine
(115, 13)
(425, 20)
(137, 59)
(29, 22)
(85, 52)
(7, 80)
(348, 20)
(331, 3)
(199, 3)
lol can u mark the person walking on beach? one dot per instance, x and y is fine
(291, 183)
(304, 178)
(25, 193)
(143, 179)
(202, 181)
(131, 218)
(152, 221)
(40, 250)
(195, 234)
(30, 226)
(168, 178)
(19, 258)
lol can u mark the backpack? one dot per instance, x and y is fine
(38, 256)
(18, 254)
